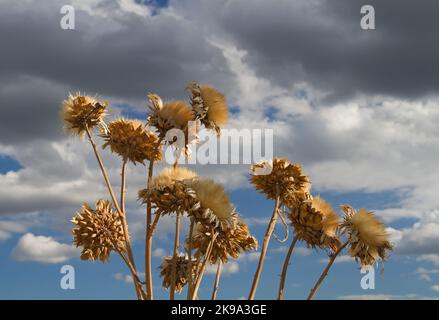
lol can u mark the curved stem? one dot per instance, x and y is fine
(267, 237)
(217, 278)
(285, 268)
(148, 239)
(325, 272)
(116, 205)
(203, 266)
(174, 257)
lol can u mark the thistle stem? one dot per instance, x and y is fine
(174, 257)
(217, 278)
(285, 268)
(203, 266)
(267, 237)
(116, 205)
(325, 272)
(148, 240)
(189, 275)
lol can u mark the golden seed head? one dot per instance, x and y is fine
(230, 242)
(168, 193)
(285, 180)
(182, 269)
(315, 222)
(82, 112)
(181, 191)
(209, 106)
(132, 141)
(98, 231)
(367, 236)
(168, 176)
(171, 115)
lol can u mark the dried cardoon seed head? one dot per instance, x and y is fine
(80, 112)
(182, 271)
(168, 193)
(171, 115)
(98, 231)
(367, 236)
(214, 207)
(230, 242)
(132, 141)
(283, 179)
(209, 105)
(315, 222)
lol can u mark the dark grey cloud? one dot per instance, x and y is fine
(123, 56)
(321, 42)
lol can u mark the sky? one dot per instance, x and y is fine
(357, 109)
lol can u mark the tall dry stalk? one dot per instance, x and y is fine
(267, 237)
(189, 251)
(148, 239)
(217, 278)
(174, 257)
(203, 266)
(325, 271)
(285, 268)
(139, 291)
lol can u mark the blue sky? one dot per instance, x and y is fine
(358, 109)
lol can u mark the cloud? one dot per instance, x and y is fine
(7, 228)
(433, 258)
(127, 278)
(300, 251)
(340, 259)
(159, 252)
(42, 249)
(386, 297)
(421, 238)
(425, 274)
(435, 288)
(229, 268)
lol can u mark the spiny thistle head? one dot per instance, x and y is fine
(98, 231)
(168, 193)
(82, 112)
(168, 176)
(170, 115)
(315, 222)
(230, 242)
(283, 179)
(367, 236)
(214, 207)
(132, 141)
(209, 105)
(181, 278)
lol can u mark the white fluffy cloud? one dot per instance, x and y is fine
(42, 249)
(229, 268)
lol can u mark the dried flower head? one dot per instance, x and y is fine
(209, 105)
(132, 141)
(367, 236)
(214, 207)
(179, 190)
(168, 193)
(181, 274)
(171, 115)
(315, 222)
(281, 178)
(229, 242)
(98, 231)
(82, 112)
